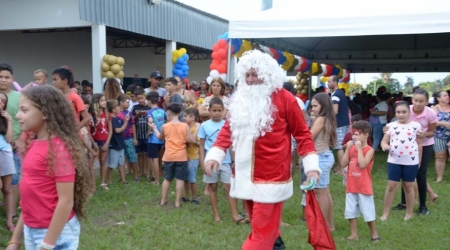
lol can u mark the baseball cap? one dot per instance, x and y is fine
(156, 74)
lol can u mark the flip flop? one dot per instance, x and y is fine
(348, 239)
(104, 186)
(242, 221)
(376, 239)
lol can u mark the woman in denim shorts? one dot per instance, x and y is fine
(323, 131)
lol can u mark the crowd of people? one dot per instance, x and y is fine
(52, 137)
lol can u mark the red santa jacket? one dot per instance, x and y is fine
(262, 170)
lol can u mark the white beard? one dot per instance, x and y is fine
(251, 112)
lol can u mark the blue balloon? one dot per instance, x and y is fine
(335, 70)
(185, 57)
(179, 72)
(180, 60)
(178, 66)
(308, 67)
(237, 43)
(225, 35)
(282, 58)
(174, 71)
(184, 67)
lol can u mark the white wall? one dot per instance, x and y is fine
(32, 14)
(28, 52)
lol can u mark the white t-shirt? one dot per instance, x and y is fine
(382, 106)
(403, 146)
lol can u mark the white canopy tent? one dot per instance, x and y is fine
(364, 36)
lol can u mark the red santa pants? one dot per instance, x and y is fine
(265, 220)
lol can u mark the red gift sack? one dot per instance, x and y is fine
(319, 235)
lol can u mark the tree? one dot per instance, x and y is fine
(408, 86)
(353, 86)
(392, 85)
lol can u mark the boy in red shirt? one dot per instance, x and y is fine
(359, 193)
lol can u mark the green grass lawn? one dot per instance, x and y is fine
(131, 218)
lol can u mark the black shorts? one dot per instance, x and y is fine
(177, 170)
(141, 147)
(153, 150)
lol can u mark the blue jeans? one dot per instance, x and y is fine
(377, 134)
(67, 240)
(326, 161)
(17, 163)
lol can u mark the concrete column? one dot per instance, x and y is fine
(171, 46)
(98, 36)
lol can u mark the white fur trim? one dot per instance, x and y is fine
(311, 163)
(215, 154)
(272, 193)
(241, 184)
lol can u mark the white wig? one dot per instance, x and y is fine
(266, 67)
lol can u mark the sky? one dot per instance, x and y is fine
(233, 9)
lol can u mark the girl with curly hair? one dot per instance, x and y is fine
(112, 89)
(56, 181)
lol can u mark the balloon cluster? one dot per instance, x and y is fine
(179, 59)
(239, 50)
(112, 66)
(301, 84)
(323, 83)
(219, 64)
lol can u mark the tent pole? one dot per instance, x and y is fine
(228, 61)
(310, 84)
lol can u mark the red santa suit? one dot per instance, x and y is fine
(262, 171)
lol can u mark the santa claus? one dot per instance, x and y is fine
(262, 118)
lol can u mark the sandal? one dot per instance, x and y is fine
(242, 221)
(104, 186)
(15, 218)
(376, 239)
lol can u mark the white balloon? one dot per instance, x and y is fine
(300, 61)
(209, 79)
(214, 73)
(223, 76)
(324, 69)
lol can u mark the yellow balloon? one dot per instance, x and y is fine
(120, 61)
(109, 74)
(115, 68)
(183, 51)
(287, 64)
(105, 66)
(174, 59)
(324, 79)
(314, 68)
(112, 60)
(120, 74)
(246, 45)
(177, 53)
(103, 73)
(341, 72)
(105, 58)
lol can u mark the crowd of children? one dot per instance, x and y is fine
(146, 131)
